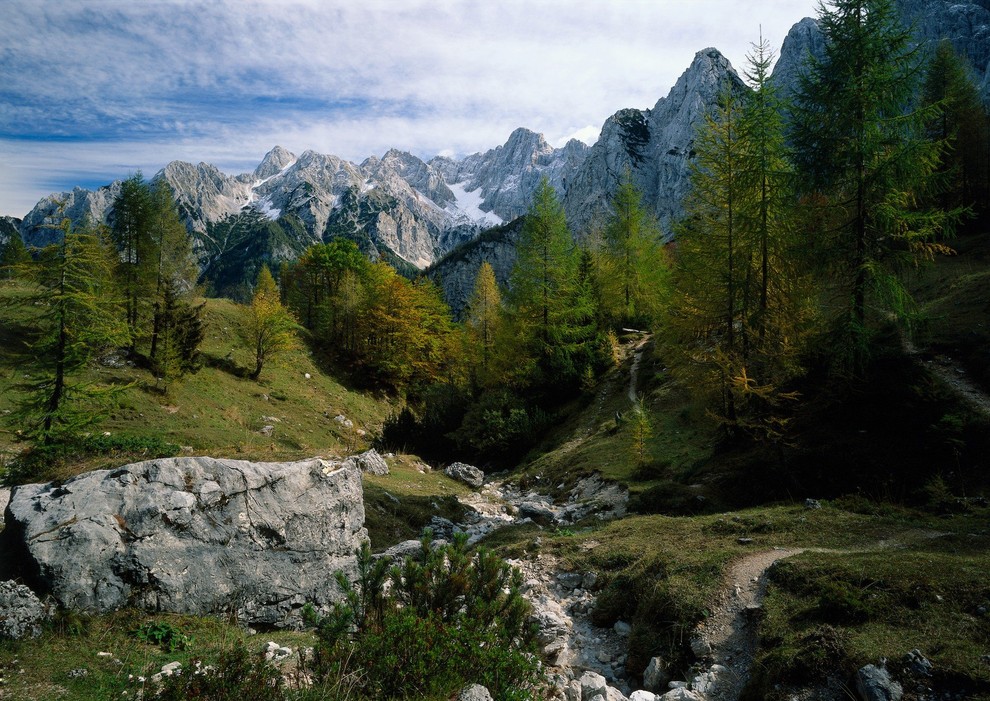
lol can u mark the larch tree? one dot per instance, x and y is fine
(131, 231)
(272, 326)
(960, 125)
(542, 287)
(861, 150)
(632, 260)
(81, 319)
(483, 320)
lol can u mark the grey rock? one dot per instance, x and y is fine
(370, 462)
(442, 527)
(468, 474)
(570, 580)
(474, 692)
(918, 664)
(539, 511)
(643, 695)
(655, 677)
(21, 612)
(700, 647)
(192, 535)
(812, 504)
(400, 551)
(590, 581)
(4, 500)
(682, 694)
(572, 690)
(592, 684)
(613, 694)
(622, 628)
(875, 684)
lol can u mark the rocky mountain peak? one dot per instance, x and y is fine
(804, 41)
(274, 162)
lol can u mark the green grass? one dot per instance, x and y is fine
(217, 410)
(40, 669)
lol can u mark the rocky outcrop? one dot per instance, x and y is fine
(21, 612)
(40, 226)
(874, 684)
(191, 535)
(803, 42)
(8, 227)
(655, 146)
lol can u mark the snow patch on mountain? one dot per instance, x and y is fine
(468, 204)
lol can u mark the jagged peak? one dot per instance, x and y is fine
(274, 162)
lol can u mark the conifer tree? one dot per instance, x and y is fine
(960, 124)
(633, 259)
(81, 319)
(175, 269)
(13, 255)
(272, 326)
(543, 287)
(483, 320)
(130, 226)
(861, 145)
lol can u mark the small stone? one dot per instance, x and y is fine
(307, 376)
(744, 541)
(474, 692)
(604, 657)
(812, 504)
(700, 647)
(80, 673)
(622, 628)
(655, 676)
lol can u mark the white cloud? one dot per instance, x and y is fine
(152, 82)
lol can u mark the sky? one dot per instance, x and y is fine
(95, 90)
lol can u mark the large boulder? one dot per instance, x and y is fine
(468, 474)
(191, 535)
(370, 462)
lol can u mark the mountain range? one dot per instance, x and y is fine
(429, 214)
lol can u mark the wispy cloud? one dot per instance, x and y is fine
(95, 89)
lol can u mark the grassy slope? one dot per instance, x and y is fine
(215, 411)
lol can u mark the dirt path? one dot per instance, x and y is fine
(731, 631)
(952, 375)
(634, 370)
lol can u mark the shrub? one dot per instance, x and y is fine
(237, 676)
(424, 629)
(163, 634)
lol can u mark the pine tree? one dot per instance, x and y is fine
(179, 331)
(272, 326)
(81, 319)
(860, 143)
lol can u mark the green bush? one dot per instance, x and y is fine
(442, 620)
(237, 676)
(162, 634)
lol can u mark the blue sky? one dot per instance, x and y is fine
(93, 90)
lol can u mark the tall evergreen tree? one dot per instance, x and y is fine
(633, 260)
(175, 269)
(13, 255)
(81, 319)
(131, 230)
(542, 286)
(960, 124)
(861, 144)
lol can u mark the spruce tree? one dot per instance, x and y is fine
(542, 286)
(960, 125)
(131, 230)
